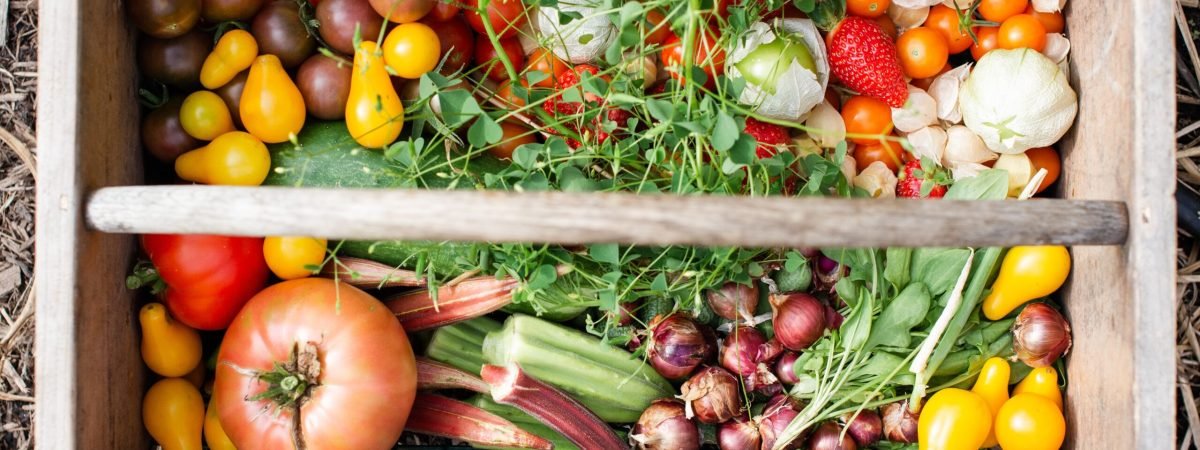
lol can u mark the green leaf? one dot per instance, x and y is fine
(938, 268)
(566, 17)
(526, 155)
(543, 277)
(660, 109)
(605, 253)
(571, 179)
(585, 38)
(622, 99)
(743, 150)
(725, 132)
(857, 327)
(458, 106)
(660, 283)
(484, 131)
(896, 268)
(806, 6)
(536, 76)
(991, 184)
(894, 326)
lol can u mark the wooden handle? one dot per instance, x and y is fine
(566, 218)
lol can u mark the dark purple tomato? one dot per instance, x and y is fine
(164, 19)
(223, 10)
(231, 94)
(324, 83)
(458, 42)
(339, 18)
(280, 31)
(162, 133)
(175, 62)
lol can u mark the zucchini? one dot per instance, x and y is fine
(609, 381)
(445, 259)
(523, 421)
(461, 344)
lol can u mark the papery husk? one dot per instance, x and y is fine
(928, 143)
(849, 168)
(944, 91)
(563, 40)
(797, 90)
(906, 17)
(826, 126)
(915, 3)
(1016, 100)
(878, 180)
(965, 153)
(1048, 6)
(527, 33)
(1058, 47)
(958, 4)
(919, 111)
(642, 67)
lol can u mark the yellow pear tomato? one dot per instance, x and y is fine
(272, 108)
(992, 385)
(954, 419)
(1030, 422)
(234, 52)
(291, 257)
(173, 413)
(1041, 381)
(214, 435)
(1027, 273)
(169, 347)
(374, 113)
(235, 158)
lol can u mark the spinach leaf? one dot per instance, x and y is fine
(896, 271)
(894, 326)
(858, 326)
(991, 184)
(938, 268)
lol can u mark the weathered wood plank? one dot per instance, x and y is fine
(89, 375)
(582, 218)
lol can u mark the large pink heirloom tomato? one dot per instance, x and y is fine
(315, 364)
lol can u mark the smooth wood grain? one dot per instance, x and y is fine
(1120, 300)
(564, 218)
(89, 375)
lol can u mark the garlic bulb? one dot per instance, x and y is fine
(965, 153)
(906, 17)
(919, 111)
(825, 125)
(849, 168)
(1016, 100)
(803, 146)
(1020, 171)
(944, 91)
(798, 89)
(642, 68)
(878, 180)
(581, 40)
(1057, 47)
(1048, 6)
(928, 143)
(915, 3)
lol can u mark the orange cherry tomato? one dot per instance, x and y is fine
(411, 50)
(946, 20)
(924, 83)
(1045, 158)
(888, 152)
(923, 52)
(867, 116)
(885, 22)
(1001, 10)
(515, 135)
(1022, 31)
(657, 30)
(545, 62)
(708, 55)
(868, 8)
(985, 41)
(1053, 21)
(506, 94)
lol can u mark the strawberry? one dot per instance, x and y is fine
(865, 59)
(770, 137)
(916, 176)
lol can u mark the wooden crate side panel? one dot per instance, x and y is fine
(89, 377)
(1120, 299)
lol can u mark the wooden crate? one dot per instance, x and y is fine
(1120, 296)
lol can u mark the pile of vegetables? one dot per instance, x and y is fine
(314, 343)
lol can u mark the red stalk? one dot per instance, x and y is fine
(468, 299)
(364, 273)
(511, 386)
(440, 416)
(432, 375)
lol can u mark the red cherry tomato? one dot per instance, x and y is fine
(444, 10)
(208, 278)
(505, 16)
(485, 57)
(708, 56)
(657, 29)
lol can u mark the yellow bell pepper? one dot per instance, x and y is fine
(1041, 381)
(992, 385)
(954, 419)
(1027, 273)
(1030, 422)
(169, 347)
(173, 413)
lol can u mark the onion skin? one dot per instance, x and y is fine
(799, 320)
(866, 428)
(828, 436)
(745, 348)
(833, 318)
(739, 434)
(827, 272)
(734, 301)
(899, 424)
(665, 426)
(712, 396)
(1040, 335)
(677, 346)
(785, 368)
(780, 411)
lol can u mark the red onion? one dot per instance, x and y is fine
(780, 411)
(763, 381)
(665, 426)
(827, 272)
(745, 348)
(866, 428)
(833, 318)
(899, 424)
(741, 433)
(677, 346)
(734, 301)
(799, 320)
(711, 395)
(624, 313)
(785, 368)
(1040, 335)
(828, 436)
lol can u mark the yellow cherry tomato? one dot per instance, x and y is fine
(272, 108)
(412, 49)
(169, 347)
(992, 385)
(234, 52)
(214, 435)
(954, 419)
(235, 158)
(173, 413)
(1030, 422)
(374, 113)
(292, 257)
(1027, 273)
(1041, 381)
(204, 116)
